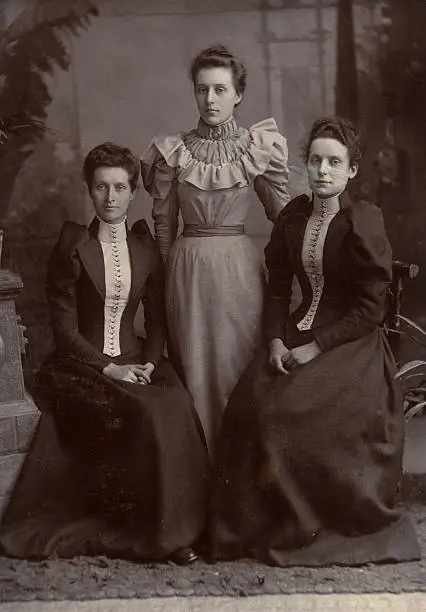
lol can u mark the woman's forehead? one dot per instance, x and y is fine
(214, 75)
(114, 174)
(326, 147)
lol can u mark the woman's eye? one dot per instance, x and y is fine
(335, 162)
(220, 89)
(201, 90)
(121, 187)
(100, 187)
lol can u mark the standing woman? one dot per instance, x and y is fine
(214, 276)
(310, 458)
(118, 465)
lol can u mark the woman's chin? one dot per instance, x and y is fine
(213, 119)
(324, 194)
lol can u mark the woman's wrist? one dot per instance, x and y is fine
(109, 368)
(276, 343)
(315, 346)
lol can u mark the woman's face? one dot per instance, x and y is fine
(329, 167)
(215, 94)
(111, 193)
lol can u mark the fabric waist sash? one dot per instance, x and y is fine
(198, 231)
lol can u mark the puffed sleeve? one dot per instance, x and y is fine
(272, 185)
(280, 277)
(159, 180)
(63, 274)
(369, 274)
(153, 297)
(155, 320)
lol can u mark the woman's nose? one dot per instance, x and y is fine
(323, 168)
(210, 95)
(111, 194)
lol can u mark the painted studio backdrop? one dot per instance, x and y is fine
(78, 72)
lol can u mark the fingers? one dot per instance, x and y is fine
(289, 360)
(144, 379)
(277, 364)
(142, 374)
(130, 377)
(131, 373)
(284, 362)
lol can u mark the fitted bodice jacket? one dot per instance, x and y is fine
(348, 299)
(76, 293)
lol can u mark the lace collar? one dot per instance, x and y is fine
(224, 131)
(112, 233)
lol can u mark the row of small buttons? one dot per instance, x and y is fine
(316, 279)
(117, 283)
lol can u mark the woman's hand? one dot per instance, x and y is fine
(146, 369)
(280, 358)
(133, 372)
(306, 352)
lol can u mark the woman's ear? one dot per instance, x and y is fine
(353, 170)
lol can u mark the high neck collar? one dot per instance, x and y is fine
(112, 233)
(328, 206)
(223, 131)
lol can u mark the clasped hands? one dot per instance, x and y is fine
(139, 373)
(283, 359)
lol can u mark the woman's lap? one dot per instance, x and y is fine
(124, 457)
(315, 450)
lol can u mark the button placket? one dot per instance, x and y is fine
(113, 331)
(315, 278)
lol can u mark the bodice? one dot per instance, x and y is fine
(219, 207)
(208, 174)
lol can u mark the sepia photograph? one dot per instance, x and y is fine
(212, 305)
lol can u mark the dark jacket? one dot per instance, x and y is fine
(357, 268)
(75, 289)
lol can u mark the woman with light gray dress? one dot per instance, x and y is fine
(214, 276)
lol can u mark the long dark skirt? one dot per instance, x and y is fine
(115, 468)
(310, 462)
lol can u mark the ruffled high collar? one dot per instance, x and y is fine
(112, 233)
(223, 131)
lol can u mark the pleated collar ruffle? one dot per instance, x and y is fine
(209, 164)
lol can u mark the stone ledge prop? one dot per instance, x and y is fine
(18, 413)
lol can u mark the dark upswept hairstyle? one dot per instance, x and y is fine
(220, 57)
(340, 129)
(113, 156)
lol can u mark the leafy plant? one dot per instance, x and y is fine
(411, 374)
(30, 48)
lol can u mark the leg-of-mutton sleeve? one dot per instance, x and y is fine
(159, 180)
(369, 273)
(153, 297)
(271, 186)
(280, 277)
(62, 276)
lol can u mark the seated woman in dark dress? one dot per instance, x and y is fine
(118, 465)
(312, 438)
